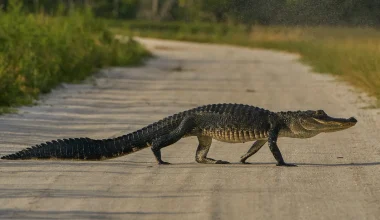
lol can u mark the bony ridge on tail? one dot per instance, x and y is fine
(233, 123)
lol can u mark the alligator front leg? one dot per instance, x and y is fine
(255, 147)
(202, 151)
(185, 126)
(272, 142)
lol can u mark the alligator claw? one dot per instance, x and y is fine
(221, 162)
(163, 163)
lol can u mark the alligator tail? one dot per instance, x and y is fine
(90, 149)
(79, 148)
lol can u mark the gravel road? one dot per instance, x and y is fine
(338, 174)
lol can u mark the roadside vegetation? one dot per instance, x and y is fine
(351, 53)
(45, 42)
(39, 51)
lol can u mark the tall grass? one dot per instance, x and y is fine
(351, 53)
(37, 52)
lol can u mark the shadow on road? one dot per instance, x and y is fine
(22, 214)
(137, 164)
(85, 194)
(340, 164)
(250, 165)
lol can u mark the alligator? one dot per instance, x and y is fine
(232, 123)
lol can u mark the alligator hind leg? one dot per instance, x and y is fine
(186, 125)
(255, 147)
(202, 150)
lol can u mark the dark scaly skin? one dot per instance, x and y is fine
(233, 123)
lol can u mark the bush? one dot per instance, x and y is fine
(37, 52)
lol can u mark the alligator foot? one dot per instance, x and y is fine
(286, 164)
(211, 161)
(243, 160)
(221, 162)
(163, 163)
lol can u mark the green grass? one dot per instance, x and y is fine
(351, 53)
(37, 52)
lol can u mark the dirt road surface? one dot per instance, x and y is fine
(338, 174)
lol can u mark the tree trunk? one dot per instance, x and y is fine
(166, 8)
(36, 6)
(154, 8)
(4, 4)
(116, 8)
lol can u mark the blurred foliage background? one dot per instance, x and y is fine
(45, 42)
(265, 12)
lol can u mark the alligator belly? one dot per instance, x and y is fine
(235, 136)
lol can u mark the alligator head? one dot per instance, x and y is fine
(310, 123)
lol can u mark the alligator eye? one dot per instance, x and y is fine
(320, 112)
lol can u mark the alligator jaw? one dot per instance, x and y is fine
(330, 124)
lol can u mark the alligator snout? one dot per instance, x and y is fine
(353, 120)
